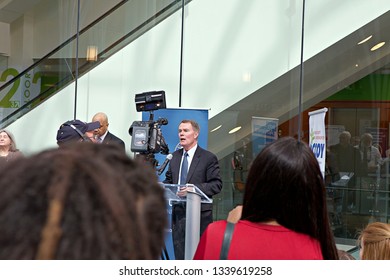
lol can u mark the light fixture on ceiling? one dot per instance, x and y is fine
(92, 53)
(235, 130)
(365, 40)
(377, 46)
(246, 77)
(218, 127)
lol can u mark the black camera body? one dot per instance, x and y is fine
(147, 138)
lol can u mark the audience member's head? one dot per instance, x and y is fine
(7, 141)
(83, 201)
(366, 140)
(343, 255)
(285, 184)
(76, 131)
(375, 242)
(8, 150)
(103, 121)
(379, 147)
(345, 138)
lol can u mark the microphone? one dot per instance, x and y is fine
(165, 163)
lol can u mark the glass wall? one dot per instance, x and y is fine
(346, 73)
(242, 60)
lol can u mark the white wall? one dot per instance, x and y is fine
(56, 21)
(223, 41)
(5, 39)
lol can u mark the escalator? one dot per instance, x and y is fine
(46, 76)
(216, 51)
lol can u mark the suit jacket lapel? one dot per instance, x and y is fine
(194, 163)
(107, 138)
(175, 171)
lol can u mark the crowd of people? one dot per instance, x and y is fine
(89, 201)
(362, 159)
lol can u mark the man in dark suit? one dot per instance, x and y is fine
(347, 156)
(202, 170)
(102, 134)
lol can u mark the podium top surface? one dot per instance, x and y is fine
(171, 193)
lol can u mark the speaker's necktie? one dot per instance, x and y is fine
(184, 169)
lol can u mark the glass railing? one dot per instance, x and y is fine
(354, 200)
(95, 43)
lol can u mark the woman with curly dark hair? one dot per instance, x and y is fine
(81, 201)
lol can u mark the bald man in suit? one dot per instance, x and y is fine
(102, 134)
(202, 171)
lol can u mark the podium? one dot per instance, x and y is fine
(193, 201)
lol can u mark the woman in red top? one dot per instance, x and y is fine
(284, 215)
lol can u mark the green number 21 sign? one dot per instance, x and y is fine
(21, 91)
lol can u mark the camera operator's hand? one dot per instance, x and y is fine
(183, 190)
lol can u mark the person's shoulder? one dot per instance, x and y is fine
(202, 151)
(177, 152)
(17, 154)
(375, 149)
(113, 136)
(218, 225)
(335, 146)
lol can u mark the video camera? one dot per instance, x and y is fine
(147, 138)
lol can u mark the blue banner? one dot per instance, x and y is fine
(264, 131)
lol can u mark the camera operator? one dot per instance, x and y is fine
(76, 131)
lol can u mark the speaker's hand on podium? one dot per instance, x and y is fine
(184, 189)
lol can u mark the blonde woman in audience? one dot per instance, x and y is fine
(375, 242)
(8, 150)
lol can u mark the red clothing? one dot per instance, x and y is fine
(256, 241)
